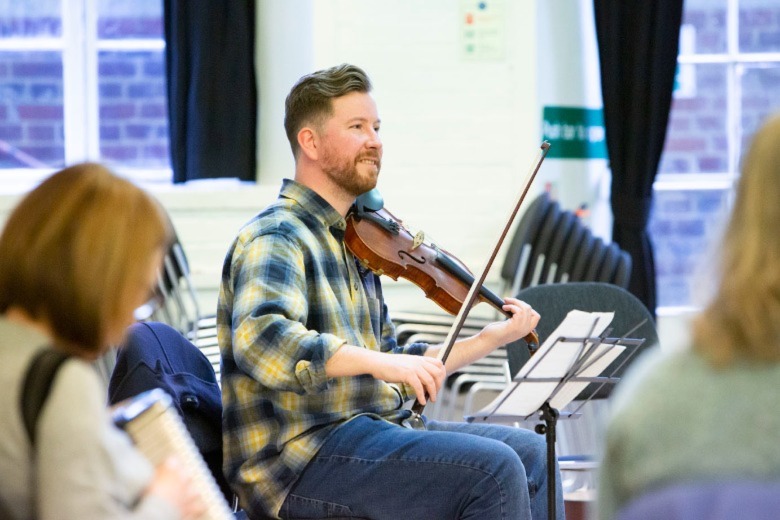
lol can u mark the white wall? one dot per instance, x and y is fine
(568, 76)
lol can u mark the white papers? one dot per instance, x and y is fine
(554, 359)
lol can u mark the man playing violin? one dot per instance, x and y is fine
(313, 379)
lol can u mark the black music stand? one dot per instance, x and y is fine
(594, 353)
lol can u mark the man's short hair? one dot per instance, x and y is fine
(309, 101)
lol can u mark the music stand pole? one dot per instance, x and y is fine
(550, 417)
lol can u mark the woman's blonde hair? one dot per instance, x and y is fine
(75, 247)
(743, 319)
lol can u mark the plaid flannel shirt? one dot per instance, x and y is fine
(291, 295)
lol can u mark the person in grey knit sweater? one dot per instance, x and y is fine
(707, 412)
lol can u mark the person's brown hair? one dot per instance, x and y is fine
(742, 322)
(309, 101)
(75, 246)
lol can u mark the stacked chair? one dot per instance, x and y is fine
(552, 245)
(180, 307)
(434, 328)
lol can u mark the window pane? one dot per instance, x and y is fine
(760, 97)
(683, 226)
(759, 26)
(31, 124)
(30, 18)
(696, 139)
(119, 19)
(133, 109)
(705, 21)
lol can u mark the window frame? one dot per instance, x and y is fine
(734, 60)
(79, 48)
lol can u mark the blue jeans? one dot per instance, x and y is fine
(373, 469)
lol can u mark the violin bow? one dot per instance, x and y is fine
(415, 421)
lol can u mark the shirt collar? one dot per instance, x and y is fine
(312, 203)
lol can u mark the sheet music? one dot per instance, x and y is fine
(553, 360)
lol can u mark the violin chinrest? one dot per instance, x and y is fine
(370, 201)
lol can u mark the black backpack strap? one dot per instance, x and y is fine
(37, 384)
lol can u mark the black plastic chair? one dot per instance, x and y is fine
(554, 301)
(541, 246)
(580, 439)
(570, 251)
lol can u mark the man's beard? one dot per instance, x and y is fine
(344, 173)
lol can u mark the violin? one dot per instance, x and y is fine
(382, 244)
(476, 291)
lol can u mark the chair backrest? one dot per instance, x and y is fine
(523, 237)
(717, 500)
(180, 307)
(554, 301)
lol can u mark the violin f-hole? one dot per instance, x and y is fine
(420, 260)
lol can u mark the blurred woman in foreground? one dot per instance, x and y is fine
(78, 255)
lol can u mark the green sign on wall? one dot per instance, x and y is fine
(574, 132)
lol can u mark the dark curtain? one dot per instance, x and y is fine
(212, 97)
(638, 45)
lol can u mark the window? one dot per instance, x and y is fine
(82, 80)
(728, 81)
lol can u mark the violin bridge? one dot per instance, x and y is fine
(419, 238)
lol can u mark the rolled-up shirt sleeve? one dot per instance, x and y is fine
(270, 339)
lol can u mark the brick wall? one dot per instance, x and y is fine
(132, 104)
(31, 124)
(133, 109)
(684, 227)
